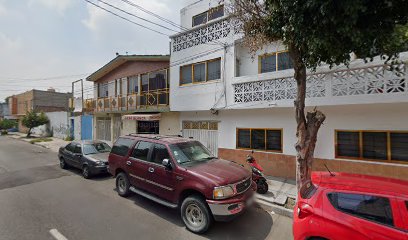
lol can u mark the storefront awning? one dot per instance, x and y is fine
(142, 117)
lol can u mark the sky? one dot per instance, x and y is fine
(51, 43)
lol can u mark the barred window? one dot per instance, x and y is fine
(259, 139)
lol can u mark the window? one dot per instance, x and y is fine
(372, 208)
(216, 12)
(399, 146)
(275, 62)
(133, 85)
(70, 147)
(260, 139)
(95, 148)
(372, 145)
(159, 153)
(77, 149)
(201, 72)
(141, 150)
(121, 146)
(214, 69)
(144, 83)
(200, 19)
(186, 74)
(375, 145)
(348, 144)
(211, 14)
(103, 90)
(157, 80)
(268, 63)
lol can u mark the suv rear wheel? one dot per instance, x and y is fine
(196, 214)
(122, 184)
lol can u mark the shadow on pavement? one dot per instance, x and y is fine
(98, 177)
(255, 223)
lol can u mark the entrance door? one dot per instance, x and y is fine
(103, 129)
(86, 127)
(204, 131)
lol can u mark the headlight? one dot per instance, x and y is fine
(100, 163)
(223, 192)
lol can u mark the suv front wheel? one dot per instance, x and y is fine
(196, 214)
(122, 184)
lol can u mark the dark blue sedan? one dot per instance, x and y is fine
(89, 156)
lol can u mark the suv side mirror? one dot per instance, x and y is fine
(166, 163)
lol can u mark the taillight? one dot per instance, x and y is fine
(304, 210)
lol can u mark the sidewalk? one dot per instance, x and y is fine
(280, 197)
(53, 145)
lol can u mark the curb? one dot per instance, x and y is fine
(43, 146)
(275, 208)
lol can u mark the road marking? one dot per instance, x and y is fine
(57, 235)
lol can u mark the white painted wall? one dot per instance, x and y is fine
(58, 125)
(350, 117)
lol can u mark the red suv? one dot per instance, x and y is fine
(351, 206)
(181, 173)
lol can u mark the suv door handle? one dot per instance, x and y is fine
(128, 163)
(151, 169)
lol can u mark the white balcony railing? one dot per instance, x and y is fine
(374, 80)
(207, 33)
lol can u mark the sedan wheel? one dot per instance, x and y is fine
(63, 164)
(85, 172)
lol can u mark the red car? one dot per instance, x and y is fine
(351, 206)
(181, 173)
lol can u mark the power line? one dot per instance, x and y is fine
(131, 14)
(126, 19)
(154, 14)
(45, 78)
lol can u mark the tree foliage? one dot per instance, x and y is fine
(6, 124)
(327, 31)
(322, 32)
(33, 119)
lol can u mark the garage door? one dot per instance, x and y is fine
(204, 131)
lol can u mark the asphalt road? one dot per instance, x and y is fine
(37, 196)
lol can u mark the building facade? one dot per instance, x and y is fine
(37, 100)
(132, 96)
(234, 101)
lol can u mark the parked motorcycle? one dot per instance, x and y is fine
(257, 175)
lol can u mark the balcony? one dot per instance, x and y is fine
(205, 34)
(368, 84)
(145, 102)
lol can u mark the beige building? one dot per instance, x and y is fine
(132, 96)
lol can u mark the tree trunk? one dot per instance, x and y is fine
(29, 133)
(307, 124)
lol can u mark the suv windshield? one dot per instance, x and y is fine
(96, 148)
(190, 152)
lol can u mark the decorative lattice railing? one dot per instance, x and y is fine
(350, 82)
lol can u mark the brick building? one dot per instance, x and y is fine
(38, 100)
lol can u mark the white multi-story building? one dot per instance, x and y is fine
(233, 101)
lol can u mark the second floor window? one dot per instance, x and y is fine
(103, 90)
(211, 14)
(133, 86)
(201, 72)
(275, 62)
